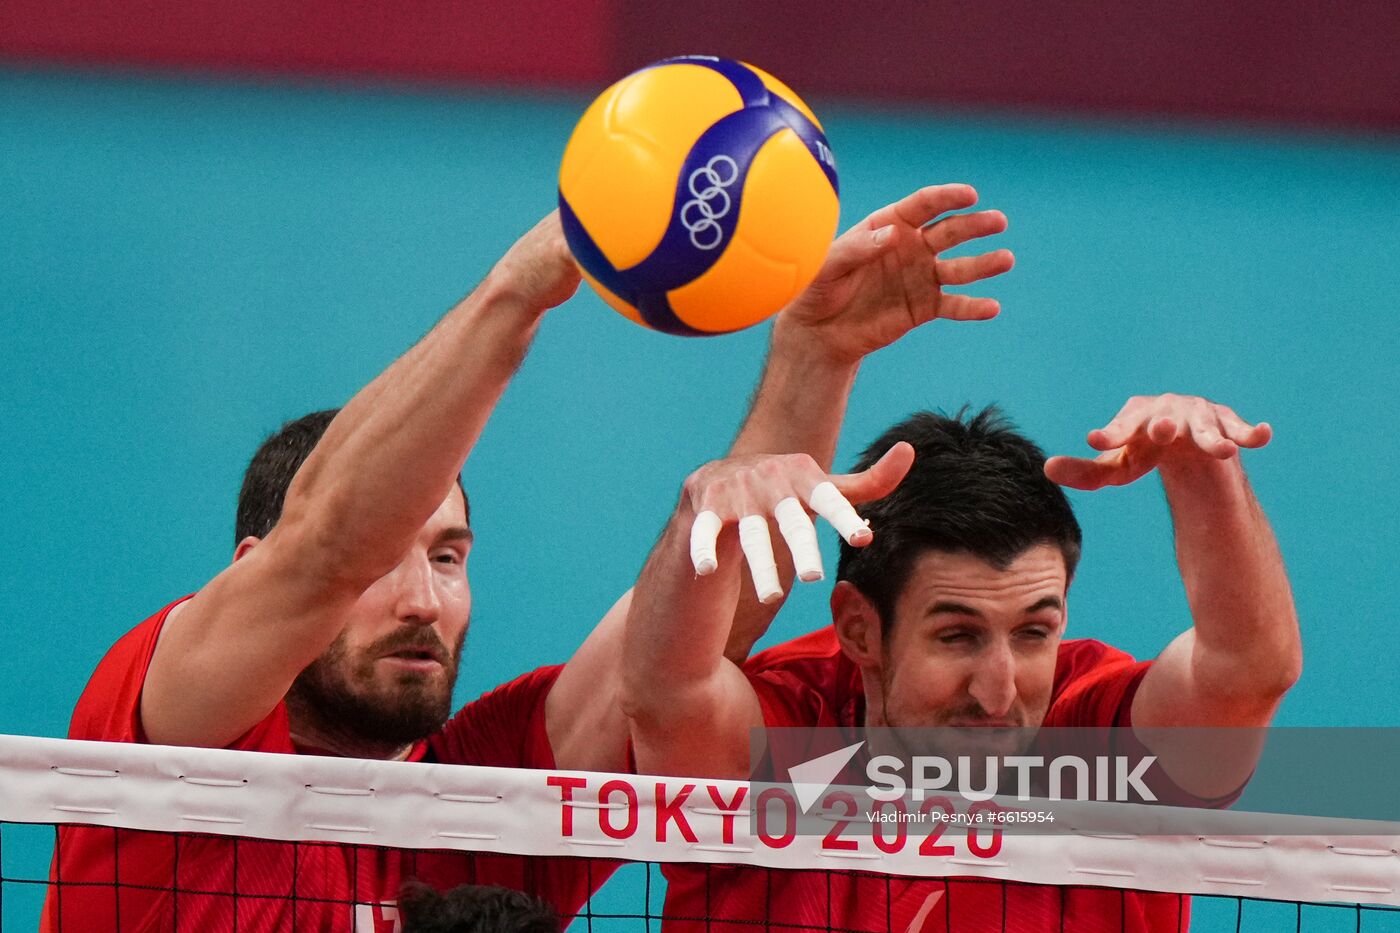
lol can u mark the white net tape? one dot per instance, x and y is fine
(630, 817)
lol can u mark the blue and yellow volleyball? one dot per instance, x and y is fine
(698, 195)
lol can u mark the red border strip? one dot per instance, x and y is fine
(1286, 63)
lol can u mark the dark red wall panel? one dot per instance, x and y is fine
(1284, 62)
(527, 41)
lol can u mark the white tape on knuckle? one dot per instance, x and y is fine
(790, 514)
(754, 537)
(703, 534)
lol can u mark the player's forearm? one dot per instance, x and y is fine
(801, 399)
(798, 408)
(677, 624)
(1246, 625)
(394, 452)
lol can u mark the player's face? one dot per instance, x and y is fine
(974, 646)
(388, 676)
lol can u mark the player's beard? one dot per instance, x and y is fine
(344, 697)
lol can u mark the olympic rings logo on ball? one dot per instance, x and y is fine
(702, 213)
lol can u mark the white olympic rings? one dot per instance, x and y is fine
(700, 215)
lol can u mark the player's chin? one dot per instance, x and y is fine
(426, 704)
(1009, 743)
(994, 740)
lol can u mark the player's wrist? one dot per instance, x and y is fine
(505, 293)
(810, 347)
(1203, 475)
(530, 281)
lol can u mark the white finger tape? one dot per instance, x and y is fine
(801, 537)
(703, 534)
(828, 502)
(757, 545)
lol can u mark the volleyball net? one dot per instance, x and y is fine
(99, 836)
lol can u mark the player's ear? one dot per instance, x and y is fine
(244, 547)
(857, 624)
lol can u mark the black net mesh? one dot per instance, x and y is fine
(100, 878)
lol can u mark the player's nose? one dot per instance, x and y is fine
(417, 599)
(993, 684)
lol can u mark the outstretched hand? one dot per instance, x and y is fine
(747, 491)
(884, 276)
(1151, 431)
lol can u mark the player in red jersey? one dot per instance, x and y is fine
(338, 628)
(949, 611)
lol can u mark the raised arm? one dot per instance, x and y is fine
(882, 278)
(1243, 651)
(386, 463)
(689, 707)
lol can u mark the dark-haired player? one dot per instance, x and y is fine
(950, 610)
(337, 629)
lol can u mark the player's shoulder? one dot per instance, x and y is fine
(818, 647)
(108, 706)
(531, 684)
(1094, 684)
(504, 727)
(513, 702)
(1080, 657)
(807, 681)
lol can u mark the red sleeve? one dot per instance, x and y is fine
(109, 709)
(1094, 686)
(504, 728)
(786, 700)
(807, 681)
(816, 645)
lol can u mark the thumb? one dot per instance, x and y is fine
(855, 248)
(1076, 472)
(881, 478)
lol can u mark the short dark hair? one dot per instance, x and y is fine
(473, 908)
(976, 487)
(272, 468)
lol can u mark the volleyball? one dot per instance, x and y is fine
(698, 195)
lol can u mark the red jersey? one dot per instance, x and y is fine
(188, 883)
(810, 682)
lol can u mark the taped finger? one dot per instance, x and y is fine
(801, 537)
(826, 500)
(703, 534)
(758, 551)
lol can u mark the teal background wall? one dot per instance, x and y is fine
(184, 265)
